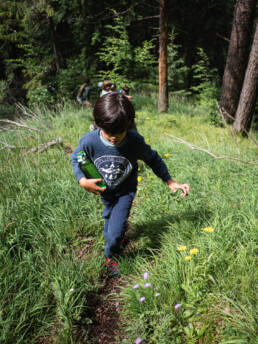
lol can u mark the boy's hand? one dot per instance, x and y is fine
(91, 185)
(174, 186)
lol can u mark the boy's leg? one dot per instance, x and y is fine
(116, 215)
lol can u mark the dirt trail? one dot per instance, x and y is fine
(106, 327)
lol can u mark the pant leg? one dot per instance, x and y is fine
(116, 214)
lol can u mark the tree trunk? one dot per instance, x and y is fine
(237, 55)
(163, 39)
(248, 95)
(53, 39)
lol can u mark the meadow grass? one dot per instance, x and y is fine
(47, 220)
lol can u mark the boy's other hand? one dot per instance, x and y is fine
(174, 186)
(91, 185)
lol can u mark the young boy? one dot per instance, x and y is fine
(114, 149)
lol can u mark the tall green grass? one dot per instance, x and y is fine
(47, 220)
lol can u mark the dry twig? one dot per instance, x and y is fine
(19, 125)
(26, 111)
(43, 146)
(6, 145)
(179, 140)
(224, 113)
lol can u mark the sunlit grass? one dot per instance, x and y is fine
(52, 243)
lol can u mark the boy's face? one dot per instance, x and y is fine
(114, 139)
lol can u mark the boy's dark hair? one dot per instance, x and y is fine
(114, 113)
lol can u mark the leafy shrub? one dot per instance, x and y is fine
(124, 63)
(177, 71)
(206, 91)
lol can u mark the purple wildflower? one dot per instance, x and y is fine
(147, 285)
(145, 276)
(136, 286)
(143, 298)
(138, 340)
(177, 306)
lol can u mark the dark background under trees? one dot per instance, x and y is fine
(48, 47)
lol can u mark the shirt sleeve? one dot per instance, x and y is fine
(76, 169)
(153, 160)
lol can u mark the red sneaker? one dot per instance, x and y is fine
(113, 267)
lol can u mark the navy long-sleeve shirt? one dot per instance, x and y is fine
(118, 164)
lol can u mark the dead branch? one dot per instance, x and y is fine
(222, 116)
(43, 146)
(224, 113)
(193, 147)
(26, 111)
(19, 125)
(6, 145)
(223, 37)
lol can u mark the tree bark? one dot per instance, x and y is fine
(248, 95)
(163, 39)
(238, 51)
(53, 40)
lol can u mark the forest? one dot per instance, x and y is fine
(188, 272)
(49, 47)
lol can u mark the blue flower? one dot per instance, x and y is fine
(177, 306)
(147, 285)
(145, 276)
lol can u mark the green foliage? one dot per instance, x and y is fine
(6, 109)
(69, 79)
(47, 220)
(124, 63)
(203, 285)
(203, 74)
(3, 89)
(206, 90)
(64, 34)
(177, 71)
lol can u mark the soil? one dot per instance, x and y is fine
(103, 309)
(106, 327)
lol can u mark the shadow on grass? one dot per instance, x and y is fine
(154, 230)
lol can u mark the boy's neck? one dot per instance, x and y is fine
(112, 140)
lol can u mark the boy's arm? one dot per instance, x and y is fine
(76, 169)
(174, 186)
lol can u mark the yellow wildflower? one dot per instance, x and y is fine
(139, 178)
(188, 258)
(194, 251)
(181, 248)
(166, 155)
(208, 229)
(147, 117)
(151, 177)
(139, 169)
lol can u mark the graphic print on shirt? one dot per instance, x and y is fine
(114, 169)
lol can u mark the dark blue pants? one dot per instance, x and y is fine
(115, 214)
